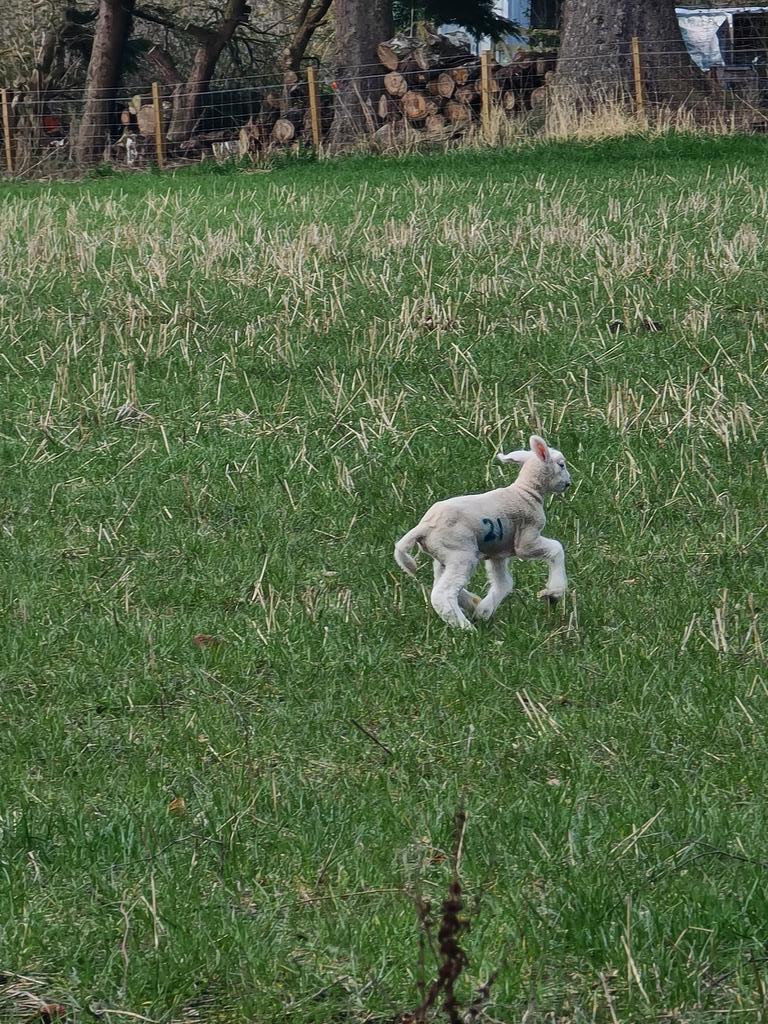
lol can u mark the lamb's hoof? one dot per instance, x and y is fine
(484, 611)
(551, 596)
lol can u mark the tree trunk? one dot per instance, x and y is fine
(360, 27)
(165, 65)
(112, 31)
(188, 101)
(595, 48)
(308, 20)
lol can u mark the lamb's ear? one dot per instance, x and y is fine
(539, 447)
(514, 457)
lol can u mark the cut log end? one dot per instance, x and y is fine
(458, 113)
(434, 126)
(395, 84)
(415, 106)
(145, 119)
(283, 131)
(387, 56)
(389, 137)
(539, 98)
(446, 84)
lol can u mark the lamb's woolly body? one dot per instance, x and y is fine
(459, 532)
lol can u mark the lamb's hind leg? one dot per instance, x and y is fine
(468, 601)
(445, 593)
(501, 585)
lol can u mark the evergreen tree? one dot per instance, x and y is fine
(476, 16)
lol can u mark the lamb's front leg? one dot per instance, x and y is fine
(534, 547)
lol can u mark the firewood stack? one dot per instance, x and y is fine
(280, 117)
(431, 88)
(284, 117)
(433, 85)
(136, 144)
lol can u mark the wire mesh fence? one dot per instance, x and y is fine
(457, 100)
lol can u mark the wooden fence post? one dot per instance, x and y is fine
(314, 106)
(7, 130)
(485, 85)
(157, 105)
(637, 74)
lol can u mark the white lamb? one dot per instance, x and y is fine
(459, 532)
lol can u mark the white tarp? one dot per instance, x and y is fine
(699, 27)
(699, 33)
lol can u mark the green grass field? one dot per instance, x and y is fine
(197, 830)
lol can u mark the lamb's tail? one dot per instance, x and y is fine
(403, 550)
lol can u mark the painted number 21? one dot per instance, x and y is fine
(495, 531)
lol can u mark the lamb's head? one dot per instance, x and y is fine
(544, 467)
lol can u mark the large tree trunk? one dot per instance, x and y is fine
(595, 48)
(308, 20)
(360, 26)
(188, 99)
(112, 31)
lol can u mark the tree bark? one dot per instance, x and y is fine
(188, 100)
(360, 27)
(308, 20)
(112, 31)
(595, 48)
(165, 65)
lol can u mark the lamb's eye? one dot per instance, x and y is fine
(561, 465)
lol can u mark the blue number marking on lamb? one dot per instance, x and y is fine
(492, 528)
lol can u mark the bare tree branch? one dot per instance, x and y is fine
(308, 20)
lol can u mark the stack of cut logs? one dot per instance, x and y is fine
(434, 85)
(430, 84)
(283, 117)
(136, 144)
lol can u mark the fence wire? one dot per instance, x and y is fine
(52, 130)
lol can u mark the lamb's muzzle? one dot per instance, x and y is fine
(460, 532)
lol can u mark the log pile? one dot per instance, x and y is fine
(279, 117)
(430, 88)
(284, 117)
(433, 86)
